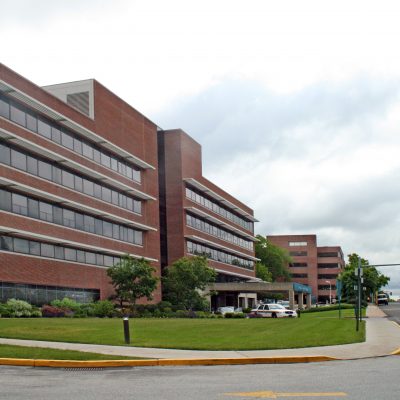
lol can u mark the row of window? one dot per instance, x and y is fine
(215, 207)
(298, 253)
(329, 254)
(328, 265)
(37, 166)
(327, 276)
(299, 275)
(29, 119)
(216, 231)
(326, 287)
(40, 294)
(48, 250)
(24, 205)
(294, 244)
(218, 255)
(299, 265)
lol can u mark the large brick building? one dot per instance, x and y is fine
(198, 217)
(79, 187)
(313, 265)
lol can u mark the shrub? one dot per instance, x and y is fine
(181, 314)
(19, 308)
(327, 308)
(36, 313)
(66, 304)
(229, 315)
(4, 311)
(201, 314)
(51, 312)
(162, 305)
(103, 308)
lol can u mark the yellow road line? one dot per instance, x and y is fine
(275, 395)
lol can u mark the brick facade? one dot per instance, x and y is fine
(319, 263)
(120, 131)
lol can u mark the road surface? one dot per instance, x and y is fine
(356, 379)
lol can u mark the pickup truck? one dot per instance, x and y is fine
(383, 299)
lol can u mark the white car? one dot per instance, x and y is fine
(272, 311)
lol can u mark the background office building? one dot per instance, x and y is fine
(78, 189)
(313, 265)
(199, 218)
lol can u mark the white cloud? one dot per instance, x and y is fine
(302, 97)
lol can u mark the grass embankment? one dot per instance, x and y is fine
(39, 353)
(315, 329)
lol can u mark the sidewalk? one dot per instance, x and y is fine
(382, 338)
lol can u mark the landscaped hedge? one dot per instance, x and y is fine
(327, 308)
(102, 309)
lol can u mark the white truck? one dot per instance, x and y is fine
(382, 299)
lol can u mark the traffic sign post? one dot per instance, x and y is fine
(339, 295)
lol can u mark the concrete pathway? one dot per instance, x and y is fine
(383, 337)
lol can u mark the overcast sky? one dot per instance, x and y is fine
(296, 103)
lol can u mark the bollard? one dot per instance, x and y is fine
(126, 330)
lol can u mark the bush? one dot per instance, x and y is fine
(327, 308)
(66, 304)
(181, 314)
(229, 315)
(103, 308)
(19, 308)
(201, 314)
(51, 312)
(162, 305)
(36, 313)
(4, 311)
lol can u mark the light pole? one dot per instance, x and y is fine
(330, 291)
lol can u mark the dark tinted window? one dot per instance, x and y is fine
(4, 108)
(5, 200)
(44, 128)
(17, 115)
(18, 159)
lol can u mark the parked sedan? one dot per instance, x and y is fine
(272, 311)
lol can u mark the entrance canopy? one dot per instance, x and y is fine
(262, 289)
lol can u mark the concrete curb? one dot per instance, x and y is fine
(162, 362)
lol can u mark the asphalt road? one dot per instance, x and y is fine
(393, 312)
(356, 379)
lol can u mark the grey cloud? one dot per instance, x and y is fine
(240, 116)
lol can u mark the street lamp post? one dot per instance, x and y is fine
(330, 291)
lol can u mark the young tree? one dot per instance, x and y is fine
(275, 258)
(263, 273)
(184, 279)
(132, 279)
(373, 279)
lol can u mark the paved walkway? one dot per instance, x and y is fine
(383, 337)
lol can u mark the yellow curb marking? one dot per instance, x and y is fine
(275, 395)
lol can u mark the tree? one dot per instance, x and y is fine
(184, 280)
(373, 279)
(275, 258)
(263, 273)
(132, 279)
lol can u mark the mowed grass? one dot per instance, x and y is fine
(314, 329)
(38, 353)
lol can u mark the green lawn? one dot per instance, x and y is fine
(314, 329)
(38, 353)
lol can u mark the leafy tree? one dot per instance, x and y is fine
(263, 273)
(132, 279)
(373, 279)
(184, 280)
(275, 258)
